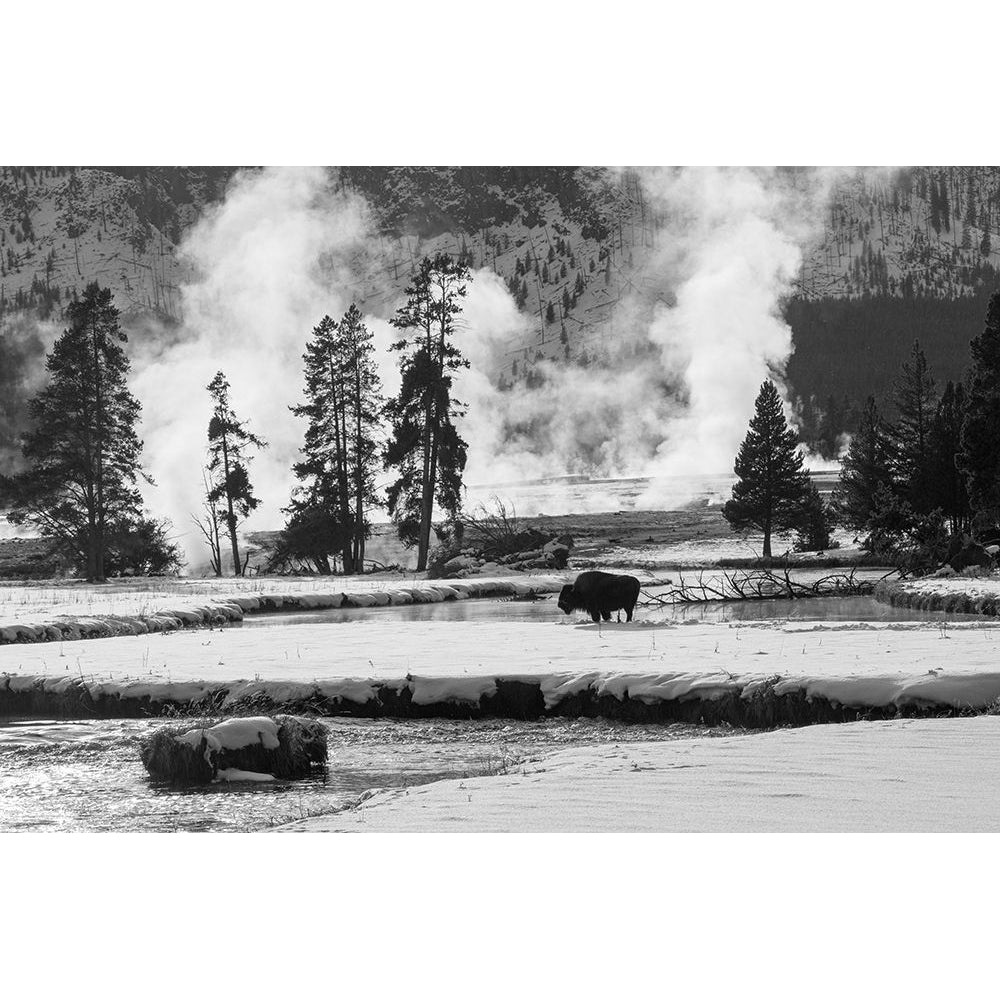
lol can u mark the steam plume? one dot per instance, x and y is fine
(691, 348)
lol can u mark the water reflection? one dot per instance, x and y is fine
(88, 775)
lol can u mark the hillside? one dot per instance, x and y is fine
(902, 254)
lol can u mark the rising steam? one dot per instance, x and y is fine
(286, 247)
(691, 349)
(270, 261)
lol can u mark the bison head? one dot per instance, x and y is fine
(566, 603)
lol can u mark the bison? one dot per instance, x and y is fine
(599, 594)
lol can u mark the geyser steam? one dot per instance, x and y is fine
(691, 346)
(270, 261)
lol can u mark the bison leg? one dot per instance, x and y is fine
(606, 615)
(595, 615)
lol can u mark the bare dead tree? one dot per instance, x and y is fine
(208, 524)
(494, 525)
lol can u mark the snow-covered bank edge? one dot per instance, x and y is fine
(957, 595)
(233, 608)
(748, 701)
(931, 775)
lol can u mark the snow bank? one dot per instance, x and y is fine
(932, 775)
(756, 673)
(957, 594)
(232, 609)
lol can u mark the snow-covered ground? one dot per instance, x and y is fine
(25, 603)
(928, 775)
(850, 663)
(948, 586)
(709, 551)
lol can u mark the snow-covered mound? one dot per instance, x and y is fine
(919, 775)
(247, 749)
(978, 595)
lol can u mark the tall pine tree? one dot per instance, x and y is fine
(866, 471)
(979, 457)
(946, 487)
(425, 446)
(772, 487)
(83, 451)
(340, 452)
(228, 442)
(916, 405)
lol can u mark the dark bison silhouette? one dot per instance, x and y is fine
(599, 594)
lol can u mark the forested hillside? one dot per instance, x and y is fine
(902, 254)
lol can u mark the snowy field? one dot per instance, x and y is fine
(700, 552)
(850, 663)
(26, 603)
(928, 775)
(974, 587)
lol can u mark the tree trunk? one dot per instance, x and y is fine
(427, 480)
(359, 473)
(230, 513)
(98, 527)
(340, 448)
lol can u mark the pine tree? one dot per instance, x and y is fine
(425, 446)
(915, 398)
(935, 208)
(865, 469)
(364, 406)
(83, 451)
(324, 496)
(946, 487)
(813, 527)
(228, 441)
(340, 449)
(772, 487)
(979, 456)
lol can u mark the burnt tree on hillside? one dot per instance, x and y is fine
(82, 454)
(425, 446)
(230, 490)
(772, 488)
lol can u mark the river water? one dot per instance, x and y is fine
(544, 608)
(88, 775)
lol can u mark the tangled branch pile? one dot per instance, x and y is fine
(492, 539)
(762, 585)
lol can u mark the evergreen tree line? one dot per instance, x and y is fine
(353, 432)
(934, 472)
(910, 483)
(878, 332)
(82, 456)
